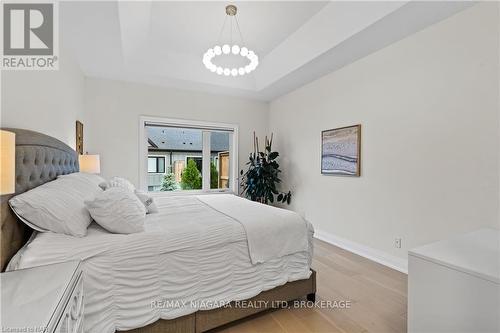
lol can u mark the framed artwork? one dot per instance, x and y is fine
(79, 137)
(341, 151)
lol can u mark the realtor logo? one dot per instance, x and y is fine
(29, 36)
(28, 29)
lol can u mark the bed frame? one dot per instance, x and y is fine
(40, 159)
(202, 321)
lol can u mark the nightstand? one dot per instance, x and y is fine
(43, 299)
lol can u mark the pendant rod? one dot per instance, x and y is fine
(239, 31)
(222, 30)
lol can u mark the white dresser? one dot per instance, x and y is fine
(454, 284)
(43, 299)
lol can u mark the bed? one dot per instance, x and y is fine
(185, 273)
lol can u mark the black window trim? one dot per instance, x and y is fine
(158, 164)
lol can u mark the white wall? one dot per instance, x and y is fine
(428, 106)
(112, 111)
(45, 101)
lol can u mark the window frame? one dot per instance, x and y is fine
(157, 157)
(193, 157)
(202, 125)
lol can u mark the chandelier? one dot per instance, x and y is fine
(228, 49)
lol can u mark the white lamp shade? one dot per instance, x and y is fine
(90, 163)
(7, 162)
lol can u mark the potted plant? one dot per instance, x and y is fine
(260, 181)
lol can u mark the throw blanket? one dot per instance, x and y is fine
(271, 232)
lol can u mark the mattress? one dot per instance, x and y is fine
(191, 257)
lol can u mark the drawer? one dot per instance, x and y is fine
(71, 320)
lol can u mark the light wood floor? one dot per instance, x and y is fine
(377, 295)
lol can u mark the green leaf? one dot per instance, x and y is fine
(273, 155)
(260, 181)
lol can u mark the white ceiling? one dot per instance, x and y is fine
(162, 42)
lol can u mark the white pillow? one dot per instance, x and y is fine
(96, 179)
(117, 182)
(118, 210)
(148, 201)
(57, 206)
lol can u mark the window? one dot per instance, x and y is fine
(156, 164)
(198, 160)
(220, 160)
(188, 156)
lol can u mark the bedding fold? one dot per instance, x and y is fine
(271, 232)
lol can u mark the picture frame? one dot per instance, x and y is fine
(79, 138)
(341, 151)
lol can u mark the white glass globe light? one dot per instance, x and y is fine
(251, 58)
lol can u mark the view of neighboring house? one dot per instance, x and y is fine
(170, 150)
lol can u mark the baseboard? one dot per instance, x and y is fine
(378, 256)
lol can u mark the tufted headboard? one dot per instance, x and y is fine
(39, 159)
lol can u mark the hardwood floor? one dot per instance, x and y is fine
(377, 295)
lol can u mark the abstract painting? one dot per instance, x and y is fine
(341, 150)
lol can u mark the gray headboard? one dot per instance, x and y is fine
(39, 159)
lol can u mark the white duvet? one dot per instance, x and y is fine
(190, 257)
(271, 232)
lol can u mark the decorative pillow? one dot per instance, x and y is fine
(96, 179)
(118, 210)
(57, 206)
(117, 182)
(148, 201)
